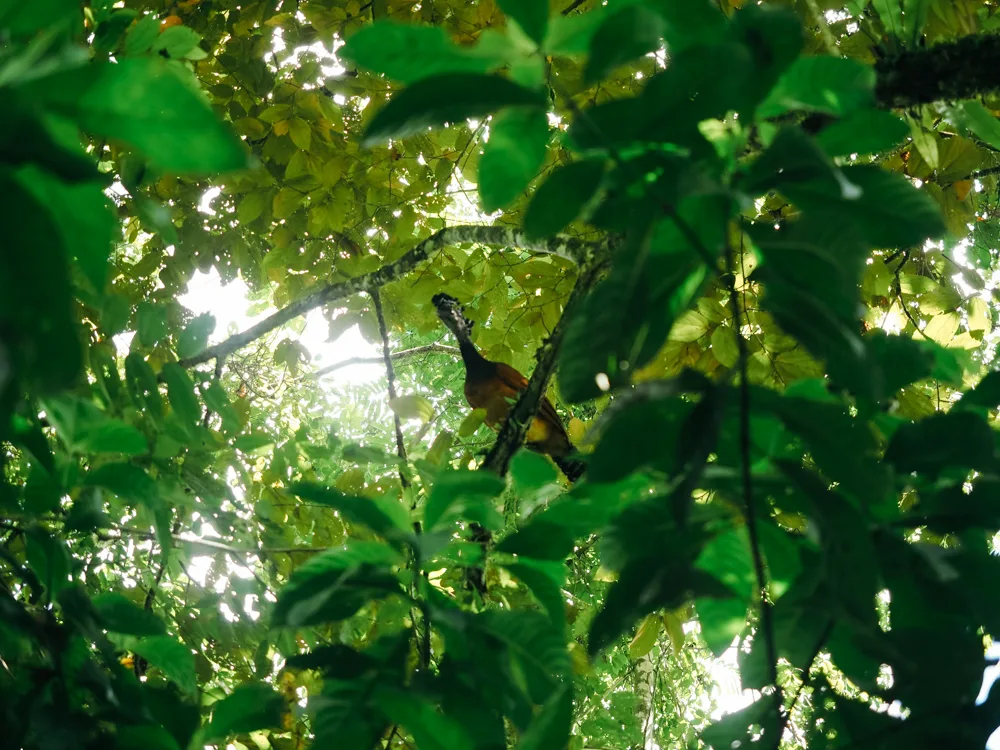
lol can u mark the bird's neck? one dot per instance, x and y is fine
(475, 363)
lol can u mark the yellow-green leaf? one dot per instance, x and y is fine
(979, 315)
(675, 630)
(471, 423)
(689, 327)
(285, 202)
(412, 406)
(725, 347)
(941, 328)
(300, 133)
(439, 448)
(251, 207)
(645, 637)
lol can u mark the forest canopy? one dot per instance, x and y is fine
(685, 426)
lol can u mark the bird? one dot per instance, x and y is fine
(495, 387)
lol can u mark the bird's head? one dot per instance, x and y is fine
(450, 312)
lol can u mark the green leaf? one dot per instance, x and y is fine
(49, 559)
(412, 406)
(40, 336)
(954, 439)
(431, 729)
(835, 85)
(179, 42)
(867, 131)
(885, 206)
(841, 445)
(638, 435)
(144, 737)
(561, 198)
(119, 615)
(22, 19)
(551, 727)
(87, 513)
(732, 730)
(250, 707)
(141, 36)
(408, 53)
(721, 620)
(143, 388)
(545, 579)
(253, 442)
(519, 138)
(774, 37)
(810, 270)
(300, 132)
(28, 435)
(148, 104)
(531, 472)
(727, 557)
(953, 510)
(974, 117)
(645, 585)
(571, 35)
(194, 337)
(849, 559)
(133, 484)
(84, 218)
(31, 137)
(550, 532)
(914, 19)
(157, 218)
(985, 395)
(360, 511)
(41, 493)
(534, 641)
(180, 391)
(623, 322)
(467, 495)
(86, 429)
(691, 23)
(115, 314)
(531, 16)
(791, 158)
(334, 585)
(891, 15)
(172, 658)
(701, 82)
(151, 323)
(631, 32)
(902, 360)
(446, 98)
(646, 636)
(127, 481)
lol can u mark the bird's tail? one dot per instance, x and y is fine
(572, 468)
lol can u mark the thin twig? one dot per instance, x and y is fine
(402, 354)
(391, 377)
(573, 6)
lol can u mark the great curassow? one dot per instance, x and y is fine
(495, 386)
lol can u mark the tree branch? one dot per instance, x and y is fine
(512, 432)
(503, 236)
(402, 354)
(391, 377)
(960, 69)
(749, 505)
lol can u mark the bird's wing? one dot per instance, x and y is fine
(517, 382)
